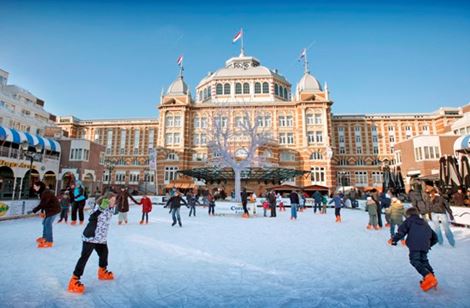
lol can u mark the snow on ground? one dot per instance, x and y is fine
(227, 261)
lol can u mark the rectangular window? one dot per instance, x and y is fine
(204, 122)
(290, 138)
(341, 139)
(361, 178)
(377, 178)
(376, 150)
(319, 137)
(169, 121)
(176, 138)
(426, 153)
(375, 139)
(177, 121)
(318, 118)
(357, 129)
(196, 122)
(391, 138)
(282, 121)
(289, 121)
(203, 139)
(196, 139)
(310, 137)
(282, 138)
(169, 139)
(170, 174)
(287, 156)
(358, 150)
(437, 152)
(318, 175)
(151, 137)
(123, 139)
(136, 138)
(358, 139)
(342, 150)
(310, 119)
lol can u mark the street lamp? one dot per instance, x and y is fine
(32, 155)
(109, 165)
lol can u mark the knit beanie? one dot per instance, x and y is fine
(104, 204)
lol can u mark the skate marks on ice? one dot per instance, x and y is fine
(199, 255)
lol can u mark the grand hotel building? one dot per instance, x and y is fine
(338, 149)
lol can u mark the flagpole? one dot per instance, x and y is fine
(242, 51)
(305, 62)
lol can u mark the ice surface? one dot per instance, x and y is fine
(227, 261)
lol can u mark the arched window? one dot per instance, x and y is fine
(276, 89)
(316, 156)
(246, 88)
(205, 93)
(200, 96)
(227, 88)
(257, 87)
(238, 88)
(209, 91)
(265, 87)
(285, 93)
(172, 156)
(218, 89)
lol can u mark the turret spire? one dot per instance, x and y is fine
(303, 57)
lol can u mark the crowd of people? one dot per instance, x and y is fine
(419, 227)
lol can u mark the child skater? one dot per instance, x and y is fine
(324, 201)
(281, 204)
(192, 199)
(64, 206)
(146, 209)
(371, 208)
(339, 203)
(95, 238)
(211, 200)
(395, 212)
(419, 239)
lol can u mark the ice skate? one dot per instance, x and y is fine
(125, 221)
(387, 225)
(141, 222)
(179, 223)
(369, 227)
(403, 242)
(75, 286)
(40, 240)
(45, 244)
(104, 274)
(119, 222)
(174, 223)
(73, 223)
(428, 282)
(377, 228)
(81, 222)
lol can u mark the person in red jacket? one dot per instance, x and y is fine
(146, 209)
(49, 207)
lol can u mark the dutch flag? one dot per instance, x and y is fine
(180, 60)
(237, 36)
(303, 54)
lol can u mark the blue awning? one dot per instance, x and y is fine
(18, 137)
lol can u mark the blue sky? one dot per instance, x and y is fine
(110, 59)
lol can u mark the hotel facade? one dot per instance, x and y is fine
(337, 149)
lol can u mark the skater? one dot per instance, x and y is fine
(95, 238)
(419, 239)
(272, 202)
(439, 208)
(371, 208)
(302, 201)
(375, 197)
(211, 200)
(175, 204)
(265, 208)
(64, 207)
(192, 199)
(282, 208)
(317, 199)
(338, 202)
(146, 209)
(79, 201)
(253, 203)
(324, 201)
(122, 204)
(396, 213)
(294, 203)
(385, 202)
(244, 196)
(49, 207)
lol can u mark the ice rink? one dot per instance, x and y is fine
(227, 261)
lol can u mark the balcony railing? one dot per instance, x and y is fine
(9, 152)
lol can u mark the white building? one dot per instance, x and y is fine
(21, 110)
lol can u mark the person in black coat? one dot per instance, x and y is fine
(175, 204)
(244, 196)
(419, 239)
(317, 197)
(294, 203)
(272, 202)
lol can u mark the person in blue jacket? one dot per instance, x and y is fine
(419, 239)
(79, 201)
(339, 203)
(317, 197)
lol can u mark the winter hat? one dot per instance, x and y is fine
(104, 204)
(369, 198)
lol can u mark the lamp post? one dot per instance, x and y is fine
(109, 165)
(32, 155)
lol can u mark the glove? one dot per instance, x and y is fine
(42, 215)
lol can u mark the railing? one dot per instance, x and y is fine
(10, 152)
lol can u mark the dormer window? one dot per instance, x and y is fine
(276, 89)
(218, 89)
(246, 88)
(265, 87)
(226, 89)
(257, 88)
(238, 88)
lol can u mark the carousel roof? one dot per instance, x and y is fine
(260, 174)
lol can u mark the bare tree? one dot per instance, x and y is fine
(235, 135)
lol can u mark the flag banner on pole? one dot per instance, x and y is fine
(302, 55)
(152, 159)
(237, 36)
(180, 60)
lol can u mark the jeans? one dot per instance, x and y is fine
(47, 228)
(438, 220)
(419, 260)
(273, 210)
(87, 249)
(317, 204)
(175, 215)
(146, 216)
(392, 228)
(78, 206)
(211, 208)
(293, 210)
(192, 210)
(337, 211)
(63, 214)
(122, 217)
(245, 210)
